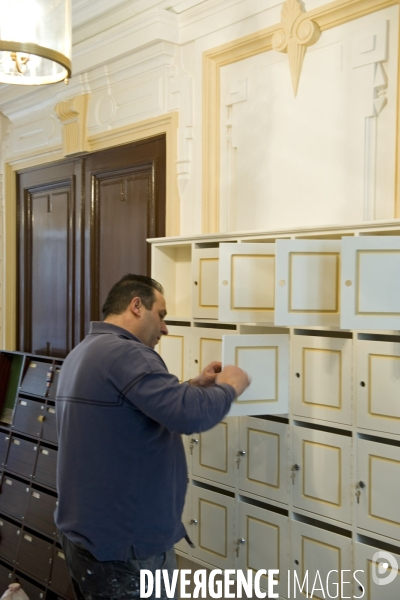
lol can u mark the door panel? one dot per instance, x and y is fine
(49, 276)
(263, 543)
(82, 225)
(370, 283)
(378, 385)
(266, 360)
(322, 378)
(247, 283)
(263, 462)
(321, 471)
(205, 281)
(124, 205)
(307, 282)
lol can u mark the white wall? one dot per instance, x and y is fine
(326, 156)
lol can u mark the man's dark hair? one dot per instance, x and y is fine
(122, 292)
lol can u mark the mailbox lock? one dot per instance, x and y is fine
(193, 522)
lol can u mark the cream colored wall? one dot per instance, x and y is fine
(142, 68)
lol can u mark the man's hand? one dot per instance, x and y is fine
(208, 375)
(237, 378)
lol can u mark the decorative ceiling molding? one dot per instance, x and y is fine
(297, 33)
(73, 116)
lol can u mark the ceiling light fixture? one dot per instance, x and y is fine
(35, 41)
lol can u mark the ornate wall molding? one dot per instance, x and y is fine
(73, 116)
(297, 33)
(325, 17)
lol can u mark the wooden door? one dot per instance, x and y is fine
(82, 224)
(49, 274)
(124, 205)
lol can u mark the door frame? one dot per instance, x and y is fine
(164, 124)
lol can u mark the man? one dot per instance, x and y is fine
(122, 472)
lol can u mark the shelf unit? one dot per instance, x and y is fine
(315, 488)
(29, 550)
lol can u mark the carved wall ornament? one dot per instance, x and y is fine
(73, 115)
(297, 33)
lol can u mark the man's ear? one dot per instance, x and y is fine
(136, 306)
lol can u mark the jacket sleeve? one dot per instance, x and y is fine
(143, 380)
(180, 407)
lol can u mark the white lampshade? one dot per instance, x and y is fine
(35, 41)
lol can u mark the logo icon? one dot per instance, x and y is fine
(384, 568)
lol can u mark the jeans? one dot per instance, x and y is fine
(112, 580)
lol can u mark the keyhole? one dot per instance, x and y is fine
(298, 375)
(362, 383)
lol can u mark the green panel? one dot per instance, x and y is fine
(12, 389)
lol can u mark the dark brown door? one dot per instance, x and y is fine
(49, 234)
(125, 201)
(82, 225)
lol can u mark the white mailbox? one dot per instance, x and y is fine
(370, 285)
(266, 359)
(247, 283)
(307, 282)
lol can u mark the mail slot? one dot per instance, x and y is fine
(60, 580)
(4, 439)
(40, 512)
(27, 416)
(46, 466)
(49, 431)
(5, 577)
(13, 497)
(34, 556)
(31, 590)
(9, 540)
(21, 456)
